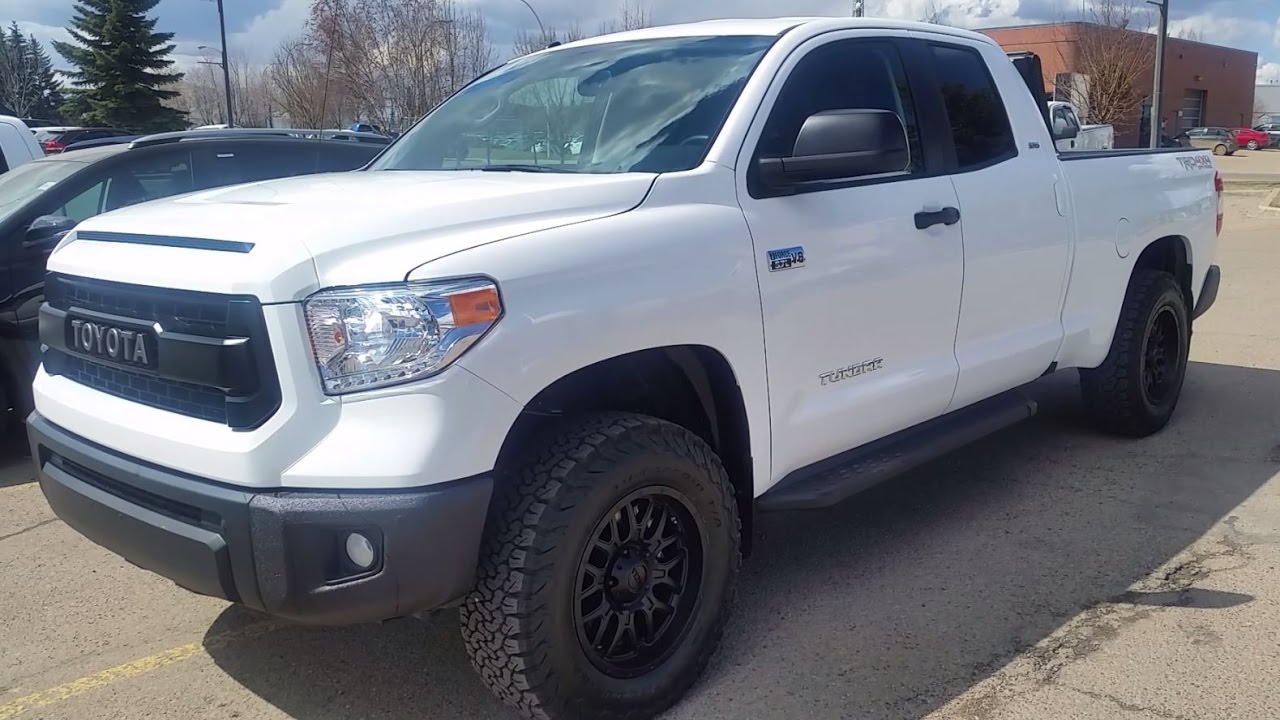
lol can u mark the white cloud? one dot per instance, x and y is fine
(259, 41)
(1269, 73)
(46, 34)
(1216, 29)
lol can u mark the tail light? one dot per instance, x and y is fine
(1218, 187)
(52, 146)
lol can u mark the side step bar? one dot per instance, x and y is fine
(838, 478)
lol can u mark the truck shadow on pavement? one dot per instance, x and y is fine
(15, 457)
(896, 602)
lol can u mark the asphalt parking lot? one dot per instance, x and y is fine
(1047, 572)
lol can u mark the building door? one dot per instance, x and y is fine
(1193, 102)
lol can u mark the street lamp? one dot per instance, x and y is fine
(541, 27)
(1157, 91)
(226, 68)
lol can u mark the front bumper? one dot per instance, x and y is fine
(281, 552)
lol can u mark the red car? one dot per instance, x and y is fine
(1252, 139)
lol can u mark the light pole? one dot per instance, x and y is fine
(541, 28)
(226, 78)
(1157, 91)
(226, 67)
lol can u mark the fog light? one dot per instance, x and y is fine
(360, 551)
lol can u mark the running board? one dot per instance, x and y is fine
(838, 478)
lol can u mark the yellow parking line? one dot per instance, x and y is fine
(141, 666)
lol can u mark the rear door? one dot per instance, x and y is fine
(1014, 222)
(859, 303)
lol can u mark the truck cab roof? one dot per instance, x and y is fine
(777, 26)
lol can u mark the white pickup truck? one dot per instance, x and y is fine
(1071, 134)
(789, 259)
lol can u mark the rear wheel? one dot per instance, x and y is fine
(1219, 149)
(1252, 144)
(1135, 390)
(607, 572)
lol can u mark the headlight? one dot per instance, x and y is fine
(382, 335)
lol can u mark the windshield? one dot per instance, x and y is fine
(25, 182)
(634, 106)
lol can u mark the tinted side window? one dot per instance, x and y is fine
(276, 161)
(979, 123)
(336, 157)
(149, 176)
(842, 75)
(85, 204)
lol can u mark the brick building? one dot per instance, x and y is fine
(1203, 84)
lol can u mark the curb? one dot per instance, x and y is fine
(1271, 203)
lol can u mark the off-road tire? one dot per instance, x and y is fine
(519, 624)
(1114, 393)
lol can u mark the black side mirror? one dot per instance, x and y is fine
(841, 144)
(1063, 130)
(47, 230)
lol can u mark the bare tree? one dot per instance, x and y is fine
(934, 14)
(394, 60)
(531, 42)
(250, 91)
(1194, 34)
(300, 83)
(630, 17)
(20, 86)
(203, 94)
(1114, 50)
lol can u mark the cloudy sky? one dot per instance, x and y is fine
(256, 27)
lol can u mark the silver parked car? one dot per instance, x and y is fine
(1272, 129)
(1220, 140)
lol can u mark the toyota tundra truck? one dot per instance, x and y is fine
(548, 356)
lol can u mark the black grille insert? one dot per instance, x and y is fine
(195, 388)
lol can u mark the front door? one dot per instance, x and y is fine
(859, 304)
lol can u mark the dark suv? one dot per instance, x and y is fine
(43, 200)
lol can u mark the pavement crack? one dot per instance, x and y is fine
(40, 524)
(1127, 706)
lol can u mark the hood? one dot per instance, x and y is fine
(336, 229)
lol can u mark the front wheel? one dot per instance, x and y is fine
(1252, 144)
(1135, 390)
(607, 572)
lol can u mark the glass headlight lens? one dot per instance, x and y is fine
(375, 336)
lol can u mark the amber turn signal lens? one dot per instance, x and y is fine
(475, 307)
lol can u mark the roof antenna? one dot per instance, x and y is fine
(554, 43)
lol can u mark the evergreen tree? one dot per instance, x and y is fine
(122, 67)
(48, 86)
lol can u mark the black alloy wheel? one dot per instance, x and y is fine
(638, 581)
(1161, 356)
(1136, 388)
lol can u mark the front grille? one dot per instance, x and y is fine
(183, 398)
(193, 389)
(193, 313)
